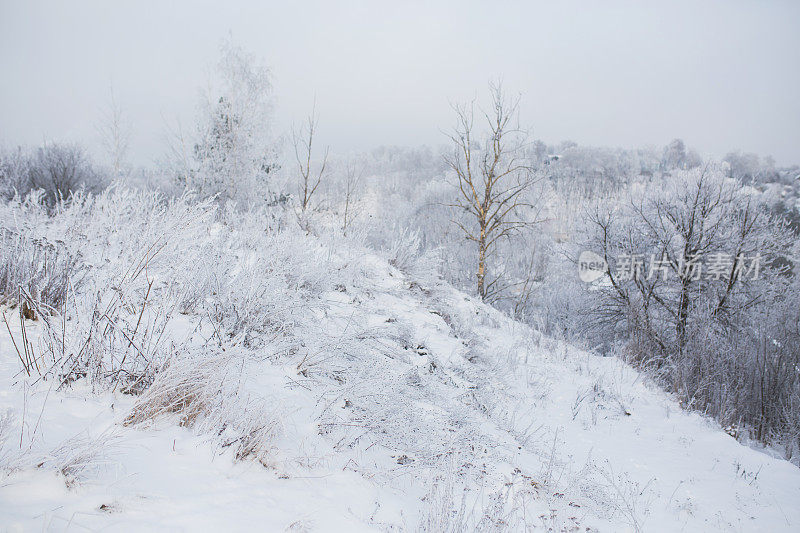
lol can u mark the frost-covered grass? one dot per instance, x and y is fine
(230, 370)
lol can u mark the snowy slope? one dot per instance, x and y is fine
(411, 407)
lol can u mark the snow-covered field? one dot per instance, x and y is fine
(316, 386)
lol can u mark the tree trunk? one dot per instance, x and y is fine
(482, 264)
(683, 314)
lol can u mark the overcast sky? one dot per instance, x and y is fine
(721, 75)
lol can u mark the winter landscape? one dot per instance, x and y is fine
(353, 279)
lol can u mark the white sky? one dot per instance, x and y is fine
(722, 75)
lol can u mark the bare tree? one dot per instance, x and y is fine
(698, 289)
(114, 131)
(303, 141)
(60, 170)
(352, 182)
(697, 220)
(492, 177)
(179, 158)
(14, 166)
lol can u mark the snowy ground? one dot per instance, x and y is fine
(411, 407)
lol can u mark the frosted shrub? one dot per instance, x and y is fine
(404, 249)
(132, 247)
(81, 457)
(35, 269)
(33, 266)
(724, 343)
(266, 283)
(207, 389)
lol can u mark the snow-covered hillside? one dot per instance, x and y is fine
(305, 383)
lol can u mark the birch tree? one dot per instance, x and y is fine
(492, 176)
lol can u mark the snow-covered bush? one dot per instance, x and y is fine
(452, 508)
(265, 282)
(206, 388)
(697, 291)
(55, 170)
(113, 276)
(35, 271)
(80, 457)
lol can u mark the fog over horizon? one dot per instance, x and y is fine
(722, 76)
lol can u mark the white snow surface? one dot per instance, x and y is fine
(416, 408)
